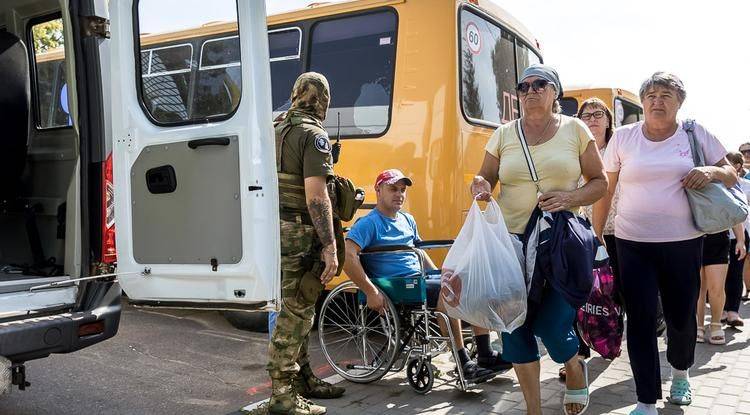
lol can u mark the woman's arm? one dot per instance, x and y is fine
(486, 179)
(592, 170)
(602, 206)
(722, 171)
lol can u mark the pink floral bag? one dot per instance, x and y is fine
(601, 320)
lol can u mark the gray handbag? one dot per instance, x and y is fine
(715, 208)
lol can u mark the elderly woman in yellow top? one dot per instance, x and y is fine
(562, 149)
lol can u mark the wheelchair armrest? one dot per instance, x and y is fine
(436, 244)
(387, 248)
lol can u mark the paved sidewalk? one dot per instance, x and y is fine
(720, 379)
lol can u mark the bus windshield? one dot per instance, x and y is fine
(489, 55)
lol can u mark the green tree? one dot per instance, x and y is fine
(48, 35)
(472, 103)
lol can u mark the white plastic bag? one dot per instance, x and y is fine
(487, 288)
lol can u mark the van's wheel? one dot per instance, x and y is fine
(255, 322)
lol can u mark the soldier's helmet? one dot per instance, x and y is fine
(311, 94)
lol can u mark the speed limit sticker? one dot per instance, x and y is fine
(473, 38)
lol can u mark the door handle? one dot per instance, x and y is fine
(215, 141)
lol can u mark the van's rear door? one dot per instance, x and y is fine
(196, 202)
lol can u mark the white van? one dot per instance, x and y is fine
(98, 124)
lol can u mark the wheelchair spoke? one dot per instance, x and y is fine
(337, 315)
(344, 314)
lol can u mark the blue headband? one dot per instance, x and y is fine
(545, 72)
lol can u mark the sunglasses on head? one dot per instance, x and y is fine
(537, 86)
(588, 115)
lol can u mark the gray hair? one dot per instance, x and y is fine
(665, 80)
(556, 108)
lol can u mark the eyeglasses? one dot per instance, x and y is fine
(537, 85)
(746, 151)
(596, 114)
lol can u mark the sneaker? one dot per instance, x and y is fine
(680, 392)
(494, 362)
(476, 374)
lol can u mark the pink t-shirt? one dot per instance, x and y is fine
(653, 205)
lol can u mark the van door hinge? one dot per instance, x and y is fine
(95, 26)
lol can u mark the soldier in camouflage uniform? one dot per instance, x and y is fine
(308, 247)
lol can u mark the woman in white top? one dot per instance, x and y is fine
(658, 245)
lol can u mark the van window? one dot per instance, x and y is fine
(626, 112)
(357, 54)
(185, 76)
(50, 84)
(488, 70)
(286, 64)
(165, 81)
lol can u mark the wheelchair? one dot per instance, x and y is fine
(362, 345)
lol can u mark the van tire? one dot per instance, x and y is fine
(255, 322)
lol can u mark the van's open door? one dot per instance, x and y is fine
(196, 205)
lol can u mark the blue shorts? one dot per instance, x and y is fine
(553, 323)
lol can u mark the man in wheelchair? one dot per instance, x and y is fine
(387, 225)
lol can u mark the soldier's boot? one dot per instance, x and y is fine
(286, 401)
(310, 386)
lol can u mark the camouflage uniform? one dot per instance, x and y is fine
(303, 150)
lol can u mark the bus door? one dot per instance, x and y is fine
(195, 188)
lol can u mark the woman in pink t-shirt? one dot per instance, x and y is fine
(658, 245)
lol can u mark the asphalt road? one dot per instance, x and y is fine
(160, 362)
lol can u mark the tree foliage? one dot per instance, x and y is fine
(472, 103)
(48, 35)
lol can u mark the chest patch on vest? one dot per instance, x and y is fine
(322, 143)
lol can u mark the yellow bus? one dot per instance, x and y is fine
(417, 85)
(625, 105)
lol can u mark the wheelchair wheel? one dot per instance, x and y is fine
(358, 343)
(420, 375)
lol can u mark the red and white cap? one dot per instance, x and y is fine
(391, 176)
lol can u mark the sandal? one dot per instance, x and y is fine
(680, 392)
(701, 335)
(717, 336)
(735, 323)
(578, 396)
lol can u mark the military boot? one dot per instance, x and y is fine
(286, 401)
(311, 386)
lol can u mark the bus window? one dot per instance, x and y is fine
(488, 71)
(526, 57)
(569, 106)
(50, 83)
(166, 81)
(286, 65)
(219, 80)
(626, 112)
(176, 85)
(357, 54)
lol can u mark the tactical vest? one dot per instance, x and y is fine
(291, 186)
(292, 189)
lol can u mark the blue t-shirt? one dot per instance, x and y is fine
(376, 229)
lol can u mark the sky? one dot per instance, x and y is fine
(606, 43)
